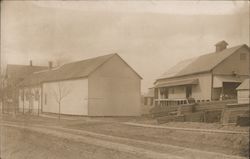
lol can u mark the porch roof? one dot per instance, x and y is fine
(179, 83)
(245, 85)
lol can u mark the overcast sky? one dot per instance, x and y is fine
(150, 35)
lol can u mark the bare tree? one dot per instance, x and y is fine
(60, 93)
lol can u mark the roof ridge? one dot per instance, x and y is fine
(91, 58)
(79, 69)
(25, 65)
(222, 50)
(173, 72)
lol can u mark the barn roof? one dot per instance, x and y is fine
(244, 85)
(203, 63)
(22, 71)
(73, 70)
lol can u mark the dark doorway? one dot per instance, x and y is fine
(188, 91)
(229, 90)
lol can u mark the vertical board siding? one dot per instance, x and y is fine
(74, 103)
(114, 90)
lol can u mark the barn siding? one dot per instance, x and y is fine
(114, 90)
(75, 103)
(233, 63)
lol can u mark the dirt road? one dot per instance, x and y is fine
(38, 140)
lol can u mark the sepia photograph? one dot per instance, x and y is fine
(126, 79)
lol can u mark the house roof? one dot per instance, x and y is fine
(203, 63)
(73, 70)
(22, 71)
(244, 85)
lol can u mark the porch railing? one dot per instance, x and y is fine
(166, 102)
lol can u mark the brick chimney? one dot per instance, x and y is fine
(221, 46)
(50, 64)
(31, 63)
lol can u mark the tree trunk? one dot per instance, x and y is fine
(59, 110)
(23, 106)
(23, 101)
(38, 106)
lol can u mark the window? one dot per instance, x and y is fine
(27, 95)
(22, 95)
(172, 90)
(188, 91)
(45, 98)
(243, 56)
(151, 101)
(145, 100)
(37, 95)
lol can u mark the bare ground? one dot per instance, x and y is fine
(141, 138)
(24, 144)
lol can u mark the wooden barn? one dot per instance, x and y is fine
(213, 76)
(101, 86)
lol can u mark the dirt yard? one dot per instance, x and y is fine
(22, 144)
(235, 144)
(115, 130)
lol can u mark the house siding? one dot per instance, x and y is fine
(114, 90)
(243, 96)
(31, 104)
(178, 92)
(74, 103)
(201, 91)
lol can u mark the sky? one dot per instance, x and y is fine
(151, 36)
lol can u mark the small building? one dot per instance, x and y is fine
(213, 76)
(148, 101)
(148, 98)
(243, 92)
(101, 86)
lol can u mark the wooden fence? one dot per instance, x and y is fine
(198, 112)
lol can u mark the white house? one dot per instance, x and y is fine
(101, 86)
(243, 92)
(212, 76)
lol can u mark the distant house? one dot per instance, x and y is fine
(243, 92)
(13, 76)
(101, 86)
(148, 98)
(147, 101)
(213, 76)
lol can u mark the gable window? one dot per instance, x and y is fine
(243, 56)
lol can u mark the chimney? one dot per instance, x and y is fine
(221, 45)
(31, 63)
(50, 64)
